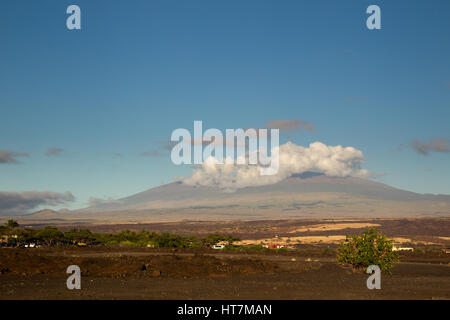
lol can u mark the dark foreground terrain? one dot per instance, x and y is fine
(121, 273)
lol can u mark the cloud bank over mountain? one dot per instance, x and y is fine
(13, 202)
(337, 161)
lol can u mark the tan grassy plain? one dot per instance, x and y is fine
(335, 226)
(332, 239)
(407, 240)
(293, 240)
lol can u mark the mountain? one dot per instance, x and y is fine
(308, 195)
(179, 195)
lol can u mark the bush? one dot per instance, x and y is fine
(369, 248)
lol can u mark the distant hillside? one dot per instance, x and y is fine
(179, 195)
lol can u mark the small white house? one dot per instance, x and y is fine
(218, 246)
(395, 248)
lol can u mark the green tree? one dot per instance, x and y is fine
(11, 224)
(368, 248)
(51, 235)
(79, 235)
(8, 230)
(127, 235)
(213, 239)
(3, 230)
(25, 236)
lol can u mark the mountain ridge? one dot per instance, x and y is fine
(305, 183)
(309, 195)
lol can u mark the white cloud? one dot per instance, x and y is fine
(8, 156)
(54, 151)
(293, 159)
(290, 125)
(435, 144)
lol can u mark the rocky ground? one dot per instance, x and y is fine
(121, 273)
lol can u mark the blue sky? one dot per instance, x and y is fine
(137, 70)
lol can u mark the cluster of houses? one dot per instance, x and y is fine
(4, 239)
(222, 245)
(274, 246)
(396, 247)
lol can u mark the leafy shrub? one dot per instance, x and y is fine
(369, 248)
